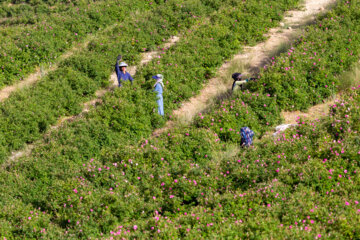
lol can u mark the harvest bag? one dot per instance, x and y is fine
(246, 136)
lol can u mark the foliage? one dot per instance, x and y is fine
(302, 183)
(101, 177)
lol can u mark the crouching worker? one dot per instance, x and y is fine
(159, 88)
(238, 82)
(246, 137)
(122, 74)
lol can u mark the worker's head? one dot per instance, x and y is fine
(158, 77)
(237, 76)
(123, 66)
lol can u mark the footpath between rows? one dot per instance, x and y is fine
(40, 72)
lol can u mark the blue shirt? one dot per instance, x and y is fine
(158, 89)
(122, 76)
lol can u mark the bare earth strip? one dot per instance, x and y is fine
(253, 57)
(39, 73)
(313, 113)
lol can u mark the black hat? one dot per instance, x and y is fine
(236, 76)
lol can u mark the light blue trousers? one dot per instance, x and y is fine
(160, 102)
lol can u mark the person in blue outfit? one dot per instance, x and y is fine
(159, 88)
(122, 74)
(246, 137)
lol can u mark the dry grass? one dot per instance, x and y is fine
(350, 79)
(236, 65)
(283, 47)
(313, 113)
(229, 152)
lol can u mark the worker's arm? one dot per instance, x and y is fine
(131, 79)
(239, 83)
(117, 70)
(156, 88)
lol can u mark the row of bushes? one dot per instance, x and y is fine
(304, 75)
(38, 35)
(211, 193)
(302, 184)
(60, 165)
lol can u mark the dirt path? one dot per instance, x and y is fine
(253, 58)
(291, 118)
(39, 73)
(2, 20)
(313, 113)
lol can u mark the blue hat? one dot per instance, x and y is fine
(157, 76)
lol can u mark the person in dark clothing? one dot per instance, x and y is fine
(238, 82)
(122, 74)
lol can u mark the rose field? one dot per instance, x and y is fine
(104, 175)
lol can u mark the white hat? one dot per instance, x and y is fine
(123, 64)
(158, 76)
